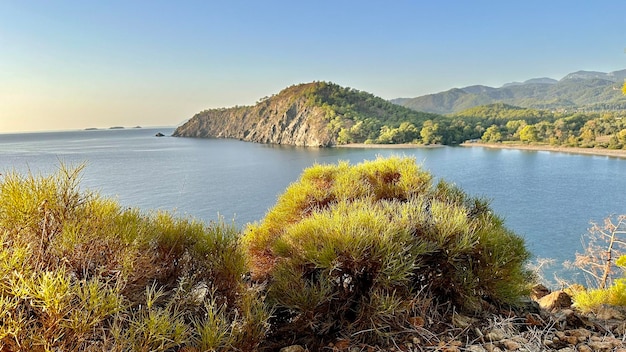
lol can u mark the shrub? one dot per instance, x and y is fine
(79, 272)
(590, 300)
(360, 249)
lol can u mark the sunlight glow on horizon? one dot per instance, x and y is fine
(73, 65)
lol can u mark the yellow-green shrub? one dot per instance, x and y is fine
(590, 300)
(80, 272)
(349, 249)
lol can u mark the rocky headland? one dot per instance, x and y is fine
(288, 118)
(317, 114)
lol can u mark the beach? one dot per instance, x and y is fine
(387, 146)
(616, 153)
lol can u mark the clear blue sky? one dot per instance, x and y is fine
(77, 64)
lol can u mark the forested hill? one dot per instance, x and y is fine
(312, 114)
(582, 91)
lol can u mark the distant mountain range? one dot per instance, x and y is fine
(581, 90)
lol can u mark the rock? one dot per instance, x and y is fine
(601, 345)
(490, 347)
(159, 134)
(520, 339)
(528, 306)
(609, 312)
(511, 345)
(287, 118)
(495, 335)
(539, 291)
(580, 334)
(463, 321)
(567, 318)
(570, 340)
(555, 301)
(293, 348)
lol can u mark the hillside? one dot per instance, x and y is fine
(582, 90)
(316, 114)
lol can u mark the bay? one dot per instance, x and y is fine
(548, 198)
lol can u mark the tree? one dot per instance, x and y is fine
(492, 134)
(514, 127)
(386, 135)
(407, 132)
(621, 136)
(602, 245)
(528, 134)
(430, 133)
(624, 89)
(587, 136)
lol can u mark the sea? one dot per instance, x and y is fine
(548, 198)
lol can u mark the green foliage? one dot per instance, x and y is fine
(570, 94)
(430, 133)
(492, 134)
(356, 116)
(355, 248)
(79, 272)
(528, 134)
(599, 130)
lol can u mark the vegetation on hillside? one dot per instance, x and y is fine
(502, 123)
(360, 117)
(579, 91)
(325, 114)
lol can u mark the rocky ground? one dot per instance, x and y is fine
(548, 323)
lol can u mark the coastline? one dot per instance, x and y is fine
(616, 153)
(387, 146)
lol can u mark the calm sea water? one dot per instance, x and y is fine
(548, 198)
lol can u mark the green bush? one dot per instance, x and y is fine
(357, 250)
(80, 272)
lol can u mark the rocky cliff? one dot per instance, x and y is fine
(287, 118)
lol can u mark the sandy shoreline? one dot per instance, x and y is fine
(616, 153)
(387, 146)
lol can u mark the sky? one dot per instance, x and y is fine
(77, 64)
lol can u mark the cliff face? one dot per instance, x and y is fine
(288, 118)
